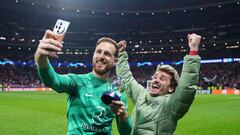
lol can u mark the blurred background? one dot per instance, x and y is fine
(156, 33)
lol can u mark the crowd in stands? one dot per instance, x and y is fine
(19, 76)
(150, 37)
(219, 75)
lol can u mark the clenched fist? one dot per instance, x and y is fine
(122, 45)
(194, 41)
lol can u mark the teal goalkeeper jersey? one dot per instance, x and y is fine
(86, 113)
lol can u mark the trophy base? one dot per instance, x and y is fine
(108, 96)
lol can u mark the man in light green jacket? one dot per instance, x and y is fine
(157, 110)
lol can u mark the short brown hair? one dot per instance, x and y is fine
(107, 39)
(172, 72)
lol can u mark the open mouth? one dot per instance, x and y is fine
(155, 86)
(101, 62)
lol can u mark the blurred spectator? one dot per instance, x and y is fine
(217, 76)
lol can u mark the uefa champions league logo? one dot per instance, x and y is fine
(117, 85)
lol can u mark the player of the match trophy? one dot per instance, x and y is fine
(116, 87)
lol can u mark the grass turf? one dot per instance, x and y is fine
(39, 113)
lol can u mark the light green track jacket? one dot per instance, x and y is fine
(159, 115)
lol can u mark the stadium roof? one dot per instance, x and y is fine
(149, 26)
(116, 5)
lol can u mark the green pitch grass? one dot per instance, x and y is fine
(44, 113)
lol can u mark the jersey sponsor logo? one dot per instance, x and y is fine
(93, 128)
(98, 115)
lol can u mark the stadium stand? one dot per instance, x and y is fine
(153, 35)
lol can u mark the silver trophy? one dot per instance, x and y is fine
(116, 87)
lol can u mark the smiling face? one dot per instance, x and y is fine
(164, 80)
(161, 84)
(104, 58)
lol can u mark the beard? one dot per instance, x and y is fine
(102, 71)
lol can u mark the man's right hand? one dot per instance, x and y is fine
(122, 45)
(48, 47)
(119, 109)
(194, 41)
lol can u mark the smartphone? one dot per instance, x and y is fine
(60, 29)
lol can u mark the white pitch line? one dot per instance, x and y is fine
(234, 97)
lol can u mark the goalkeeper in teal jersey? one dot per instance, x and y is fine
(86, 113)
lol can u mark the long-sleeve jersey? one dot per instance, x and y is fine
(86, 113)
